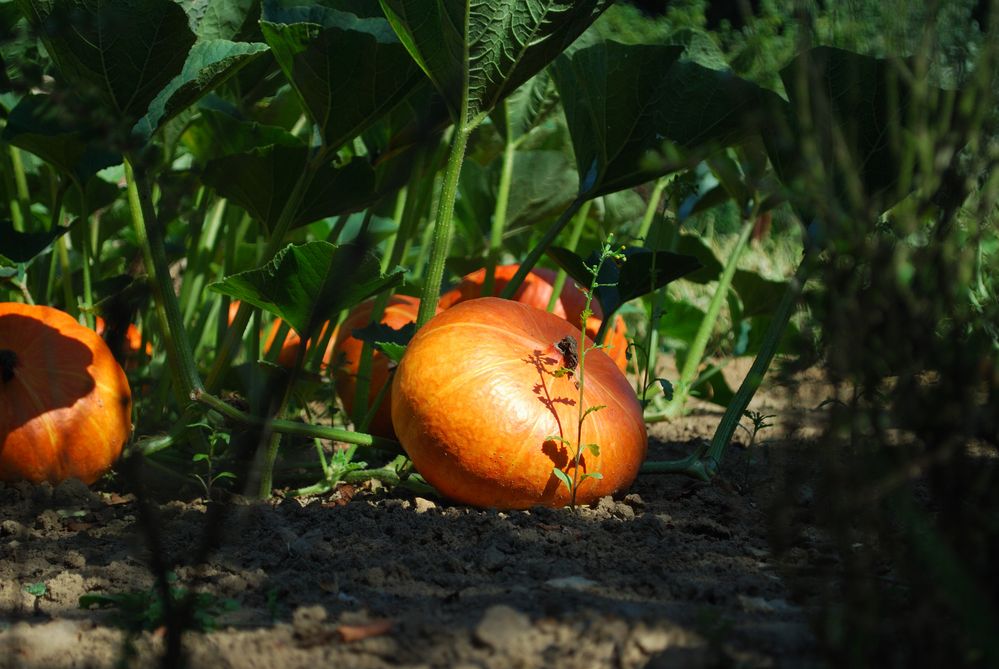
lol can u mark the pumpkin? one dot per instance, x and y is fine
(536, 291)
(401, 309)
(65, 404)
(476, 399)
(133, 342)
(289, 348)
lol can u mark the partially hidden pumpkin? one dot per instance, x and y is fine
(476, 401)
(133, 342)
(65, 404)
(536, 291)
(292, 341)
(401, 310)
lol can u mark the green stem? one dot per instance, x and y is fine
(499, 215)
(650, 210)
(294, 428)
(771, 340)
(21, 213)
(387, 474)
(532, 258)
(696, 351)
(88, 293)
(574, 235)
(149, 236)
(67, 278)
(704, 465)
(442, 225)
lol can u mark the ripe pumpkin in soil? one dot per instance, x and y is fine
(401, 309)
(536, 291)
(65, 404)
(475, 400)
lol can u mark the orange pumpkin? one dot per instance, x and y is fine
(475, 401)
(133, 342)
(536, 291)
(65, 404)
(401, 309)
(289, 348)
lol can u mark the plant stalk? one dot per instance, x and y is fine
(499, 215)
(442, 225)
(574, 235)
(695, 354)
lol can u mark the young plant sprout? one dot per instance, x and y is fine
(574, 364)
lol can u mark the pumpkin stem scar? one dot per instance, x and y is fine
(8, 360)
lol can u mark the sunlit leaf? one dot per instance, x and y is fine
(307, 284)
(478, 52)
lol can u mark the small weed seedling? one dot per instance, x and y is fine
(574, 364)
(759, 424)
(139, 610)
(217, 441)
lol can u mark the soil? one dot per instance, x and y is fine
(673, 573)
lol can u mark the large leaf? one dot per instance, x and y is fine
(20, 247)
(759, 296)
(625, 104)
(309, 283)
(208, 64)
(125, 51)
(526, 107)
(476, 52)
(48, 131)
(221, 19)
(853, 113)
(261, 181)
(216, 133)
(348, 70)
(642, 272)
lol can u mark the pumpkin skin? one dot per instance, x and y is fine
(65, 404)
(536, 291)
(401, 309)
(475, 398)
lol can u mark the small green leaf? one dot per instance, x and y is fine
(667, 388)
(563, 477)
(36, 589)
(390, 341)
(591, 475)
(593, 448)
(593, 409)
(199, 457)
(558, 439)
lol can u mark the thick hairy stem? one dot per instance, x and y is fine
(442, 225)
(149, 236)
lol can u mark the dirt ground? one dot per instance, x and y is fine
(674, 573)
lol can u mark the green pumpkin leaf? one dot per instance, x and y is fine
(635, 276)
(476, 53)
(216, 133)
(125, 51)
(348, 70)
(307, 284)
(261, 181)
(20, 247)
(630, 106)
(208, 64)
(221, 19)
(48, 131)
